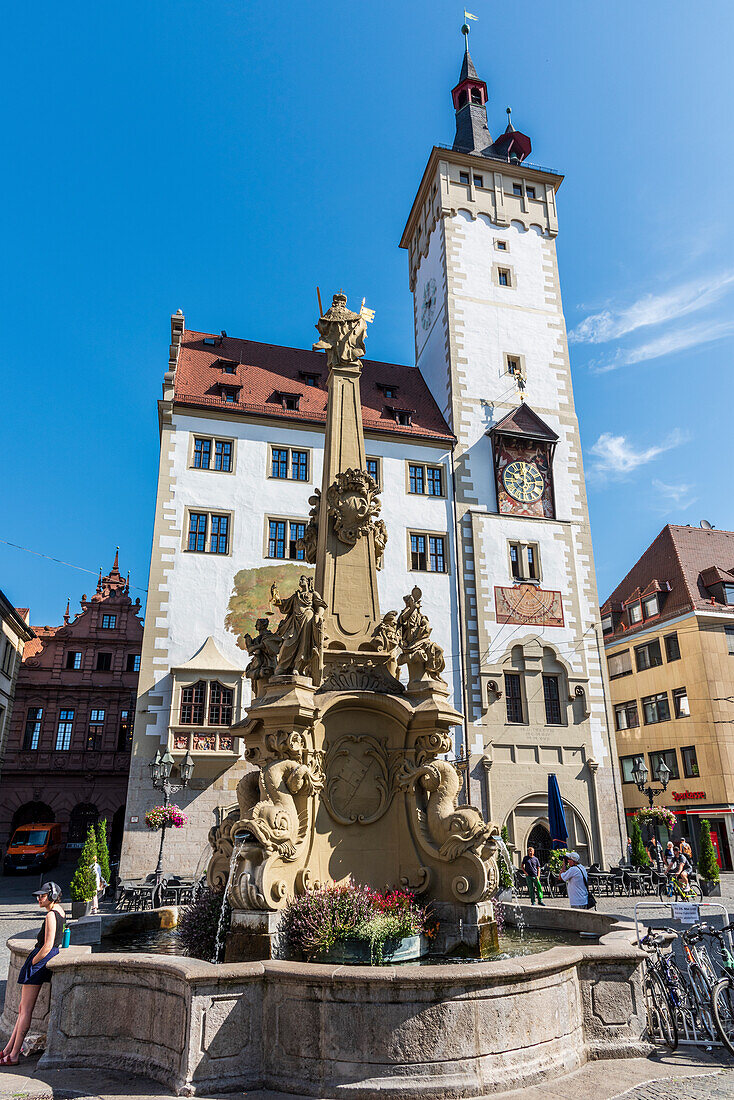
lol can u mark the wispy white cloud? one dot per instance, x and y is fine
(615, 457)
(673, 498)
(667, 344)
(652, 309)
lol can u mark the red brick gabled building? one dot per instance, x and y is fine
(68, 749)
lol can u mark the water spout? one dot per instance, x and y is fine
(519, 915)
(219, 942)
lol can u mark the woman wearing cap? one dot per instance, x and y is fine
(34, 973)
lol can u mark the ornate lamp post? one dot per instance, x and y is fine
(160, 770)
(640, 774)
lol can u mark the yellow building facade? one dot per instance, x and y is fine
(669, 642)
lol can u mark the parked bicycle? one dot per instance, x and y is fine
(722, 994)
(666, 995)
(701, 975)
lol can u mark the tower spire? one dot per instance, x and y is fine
(67, 613)
(470, 104)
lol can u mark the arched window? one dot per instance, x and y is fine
(540, 839)
(82, 816)
(220, 705)
(193, 704)
(463, 98)
(476, 96)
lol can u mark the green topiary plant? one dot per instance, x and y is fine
(506, 882)
(708, 868)
(83, 885)
(639, 856)
(103, 852)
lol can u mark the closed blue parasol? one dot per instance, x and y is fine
(556, 816)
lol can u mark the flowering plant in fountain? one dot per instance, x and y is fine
(652, 814)
(166, 817)
(317, 920)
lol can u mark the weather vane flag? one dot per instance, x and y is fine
(468, 15)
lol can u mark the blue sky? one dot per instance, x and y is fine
(225, 158)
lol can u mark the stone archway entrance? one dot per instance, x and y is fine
(32, 813)
(539, 838)
(82, 816)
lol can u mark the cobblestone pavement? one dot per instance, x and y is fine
(716, 1086)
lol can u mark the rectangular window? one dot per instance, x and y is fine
(373, 469)
(634, 613)
(625, 715)
(229, 395)
(517, 189)
(552, 701)
(96, 729)
(627, 764)
(729, 594)
(133, 662)
(671, 760)
(418, 553)
(192, 704)
(650, 607)
(32, 731)
(299, 465)
(125, 732)
(74, 659)
(463, 177)
(220, 705)
(219, 541)
(296, 531)
(197, 531)
(8, 658)
(436, 558)
(104, 662)
(607, 624)
(501, 246)
(515, 568)
(531, 559)
(478, 181)
(64, 729)
(416, 479)
(690, 762)
(276, 538)
(672, 649)
(503, 277)
(648, 655)
(513, 697)
(729, 631)
(279, 467)
(656, 709)
(530, 192)
(434, 481)
(402, 417)
(283, 536)
(620, 664)
(202, 453)
(681, 708)
(222, 455)
(109, 622)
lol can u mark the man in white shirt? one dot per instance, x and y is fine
(576, 882)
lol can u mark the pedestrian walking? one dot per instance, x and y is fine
(100, 886)
(577, 882)
(34, 972)
(531, 867)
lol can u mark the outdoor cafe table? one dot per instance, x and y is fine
(603, 882)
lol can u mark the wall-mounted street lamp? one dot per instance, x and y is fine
(160, 770)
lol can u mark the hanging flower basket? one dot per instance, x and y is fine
(653, 814)
(165, 817)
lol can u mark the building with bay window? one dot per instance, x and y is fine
(669, 641)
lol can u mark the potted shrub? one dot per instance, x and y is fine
(639, 856)
(708, 868)
(84, 882)
(348, 923)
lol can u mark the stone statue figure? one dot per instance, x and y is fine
(301, 631)
(263, 650)
(386, 639)
(421, 655)
(342, 334)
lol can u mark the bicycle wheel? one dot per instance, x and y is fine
(722, 1003)
(704, 960)
(694, 891)
(662, 890)
(660, 1012)
(702, 990)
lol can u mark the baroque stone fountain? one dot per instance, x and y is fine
(352, 778)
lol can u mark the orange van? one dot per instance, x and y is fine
(33, 848)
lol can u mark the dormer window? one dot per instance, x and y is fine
(229, 394)
(210, 341)
(650, 607)
(229, 368)
(729, 594)
(634, 613)
(402, 417)
(607, 624)
(387, 390)
(309, 379)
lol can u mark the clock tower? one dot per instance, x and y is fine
(491, 343)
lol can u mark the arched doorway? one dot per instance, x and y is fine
(82, 816)
(32, 813)
(532, 811)
(539, 838)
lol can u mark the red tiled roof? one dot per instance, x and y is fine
(679, 555)
(33, 647)
(264, 370)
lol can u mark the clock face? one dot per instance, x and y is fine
(523, 481)
(429, 303)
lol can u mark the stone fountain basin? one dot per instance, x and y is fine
(427, 1032)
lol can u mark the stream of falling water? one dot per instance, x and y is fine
(236, 849)
(519, 915)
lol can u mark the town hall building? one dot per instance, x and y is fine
(476, 450)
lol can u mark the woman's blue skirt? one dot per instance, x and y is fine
(33, 973)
